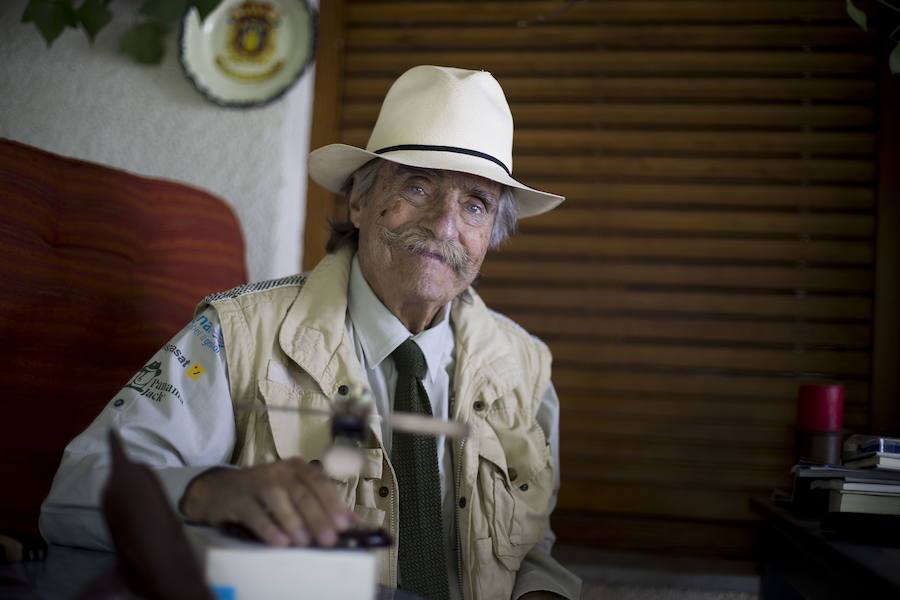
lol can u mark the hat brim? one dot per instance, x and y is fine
(331, 166)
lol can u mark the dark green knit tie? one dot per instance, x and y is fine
(423, 566)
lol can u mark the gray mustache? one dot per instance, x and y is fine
(419, 239)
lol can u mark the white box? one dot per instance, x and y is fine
(242, 570)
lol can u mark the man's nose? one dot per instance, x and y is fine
(442, 216)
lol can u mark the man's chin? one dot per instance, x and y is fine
(433, 291)
(430, 279)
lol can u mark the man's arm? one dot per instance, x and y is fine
(175, 415)
(539, 572)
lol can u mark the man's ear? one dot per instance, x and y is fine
(354, 206)
(356, 200)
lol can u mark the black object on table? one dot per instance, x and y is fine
(801, 560)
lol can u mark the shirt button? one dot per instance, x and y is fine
(343, 390)
(513, 474)
(384, 491)
(524, 487)
(119, 402)
(478, 405)
(462, 502)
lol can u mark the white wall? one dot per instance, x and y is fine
(96, 104)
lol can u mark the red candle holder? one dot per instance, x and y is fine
(820, 417)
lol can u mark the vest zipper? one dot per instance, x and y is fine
(459, 555)
(392, 562)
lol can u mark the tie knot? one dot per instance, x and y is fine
(409, 359)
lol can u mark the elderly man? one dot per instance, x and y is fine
(389, 309)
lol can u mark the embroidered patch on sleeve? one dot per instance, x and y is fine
(195, 371)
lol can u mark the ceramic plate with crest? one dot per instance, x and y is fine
(248, 52)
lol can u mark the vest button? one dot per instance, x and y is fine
(524, 487)
(462, 502)
(384, 491)
(513, 474)
(119, 402)
(343, 390)
(478, 405)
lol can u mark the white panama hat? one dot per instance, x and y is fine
(438, 118)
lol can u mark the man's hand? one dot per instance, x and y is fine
(289, 502)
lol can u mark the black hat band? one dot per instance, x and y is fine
(446, 149)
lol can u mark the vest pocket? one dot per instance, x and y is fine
(369, 477)
(294, 432)
(371, 516)
(515, 482)
(490, 581)
(500, 510)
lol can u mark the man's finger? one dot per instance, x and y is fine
(282, 511)
(320, 525)
(260, 523)
(325, 493)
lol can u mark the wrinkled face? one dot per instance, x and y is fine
(423, 233)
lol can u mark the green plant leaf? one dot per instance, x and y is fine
(145, 42)
(94, 16)
(205, 7)
(50, 17)
(167, 11)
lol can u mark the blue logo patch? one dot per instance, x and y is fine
(210, 338)
(224, 592)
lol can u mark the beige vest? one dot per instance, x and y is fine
(287, 346)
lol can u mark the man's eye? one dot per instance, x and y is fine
(474, 208)
(416, 189)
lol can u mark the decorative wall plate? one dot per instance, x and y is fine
(248, 52)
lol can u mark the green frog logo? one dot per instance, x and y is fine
(145, 376)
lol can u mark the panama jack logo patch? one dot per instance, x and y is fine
(145, 376)
(148, 383)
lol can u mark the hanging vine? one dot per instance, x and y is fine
(144, 41)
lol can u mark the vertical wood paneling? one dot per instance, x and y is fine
(717, 246)
(325, 124)
(885, 408)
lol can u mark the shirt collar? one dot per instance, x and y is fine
(380, 332)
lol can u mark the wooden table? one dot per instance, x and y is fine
(799, 560)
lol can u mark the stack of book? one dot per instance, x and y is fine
(821, 489)
(864, 451)
(868, 483)
(880, 497)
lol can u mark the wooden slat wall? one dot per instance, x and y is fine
(716, 248)
(884, 413)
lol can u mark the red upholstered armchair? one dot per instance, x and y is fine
(98, 268)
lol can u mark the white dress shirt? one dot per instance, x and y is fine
(376, 333)
(181, 422)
